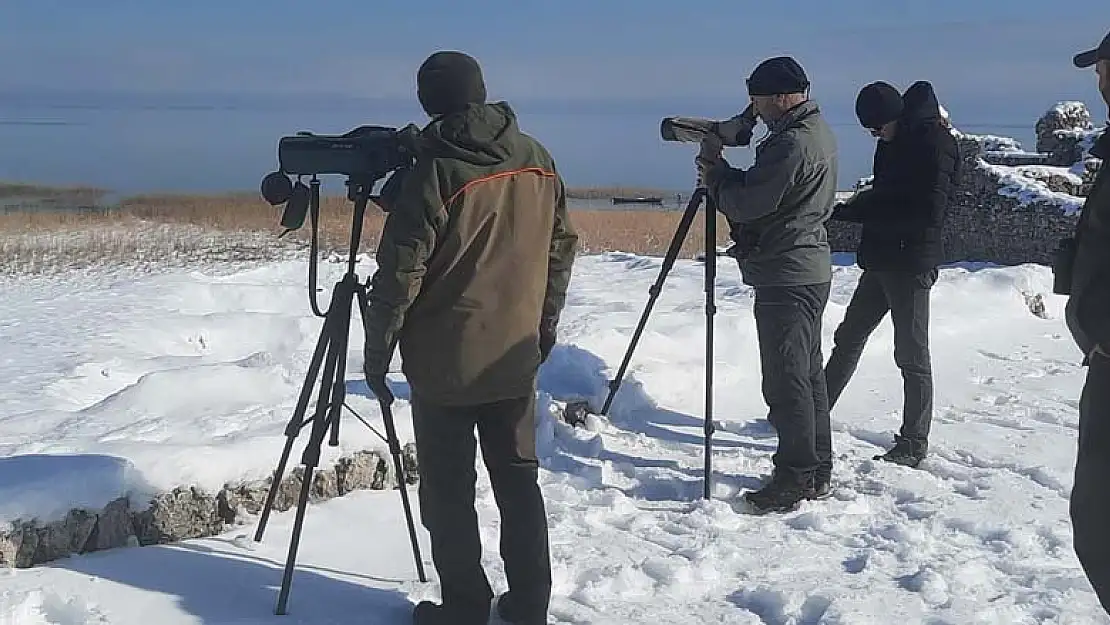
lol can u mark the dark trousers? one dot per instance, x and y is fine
(906, 297)
(1090, 503)
(445, 445)
(788, 326)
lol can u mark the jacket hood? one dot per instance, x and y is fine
(794, 115)
(919, 103)
(483, 134)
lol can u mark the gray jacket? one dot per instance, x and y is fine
(778, 207)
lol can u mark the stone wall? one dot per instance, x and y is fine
(187, 512)
(1012, 206)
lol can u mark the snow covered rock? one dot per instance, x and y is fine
(1056, 132)
(189, 512)
(177, 515)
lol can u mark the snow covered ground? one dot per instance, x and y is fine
(131, 383)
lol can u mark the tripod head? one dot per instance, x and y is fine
(301, 200)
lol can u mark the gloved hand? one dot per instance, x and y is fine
(374, 370)
(709, 157)
(380, 387)
(1099, 351)
(391, 190)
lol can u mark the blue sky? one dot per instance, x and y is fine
(993, 51)
(590, 79)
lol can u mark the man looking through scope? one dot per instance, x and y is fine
(777, 210)
(473, 268)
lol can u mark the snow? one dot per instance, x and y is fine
(1026, 190)
(118, 382)
(1047, 171)
(1070, 109)
(996, 143)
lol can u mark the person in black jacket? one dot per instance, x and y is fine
(1086, 277)
(916, 166)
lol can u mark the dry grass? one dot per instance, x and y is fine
(178, 229)
(240, 213)
(640, 232)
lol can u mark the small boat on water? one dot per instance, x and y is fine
(638, 200)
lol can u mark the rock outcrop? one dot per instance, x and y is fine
(1012, 206)
(1058, 132)
(187, 512)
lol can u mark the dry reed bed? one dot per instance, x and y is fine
(180, 229)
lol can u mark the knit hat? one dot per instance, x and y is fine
(448, 81)
(780, 74)
(878, 104)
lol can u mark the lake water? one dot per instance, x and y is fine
(192, 143)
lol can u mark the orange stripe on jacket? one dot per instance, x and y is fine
(525, 170)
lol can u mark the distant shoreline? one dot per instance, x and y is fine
(34, 191)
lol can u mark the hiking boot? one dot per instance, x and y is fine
(781, 494)
(822, 483)
(905, 452)
(428, 613)
(822, 486)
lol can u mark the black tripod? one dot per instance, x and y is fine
(710, 310)
(331, 352)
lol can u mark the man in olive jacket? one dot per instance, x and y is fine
(777, 210)
(1088, 318)
(473, 267)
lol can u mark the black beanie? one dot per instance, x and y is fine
(448, 81)
(781, 74)
(878, 104)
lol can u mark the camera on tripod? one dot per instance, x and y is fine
(735, 131)
(365, 155)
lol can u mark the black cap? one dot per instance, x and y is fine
(878, 104)
(781, 74)
(1090, 57)
(448, 81)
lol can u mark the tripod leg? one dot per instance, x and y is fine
(657, 288)
(395, 451)
(293, 429)
(298, 526)
(342, 341)
(710, 311)
(339, 317)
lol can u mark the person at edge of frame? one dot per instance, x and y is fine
(916, 169)
(473, 267)
(777, 210)
(1082, 271)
